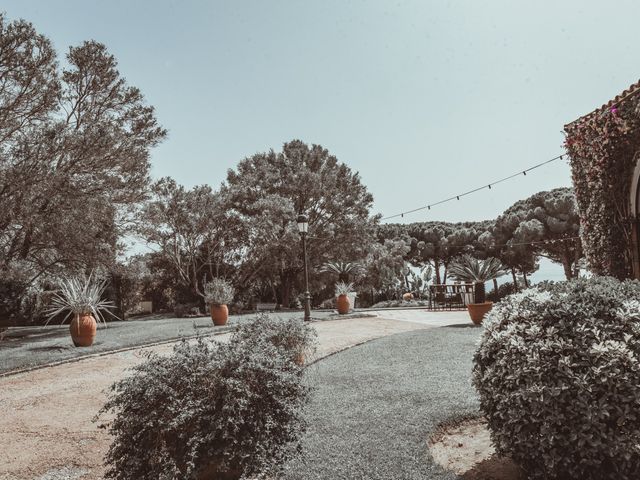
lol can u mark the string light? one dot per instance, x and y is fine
(457, 197)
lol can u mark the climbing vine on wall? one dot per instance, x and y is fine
(602, 148)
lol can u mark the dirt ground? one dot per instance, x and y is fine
(466, 449)
(46, 430)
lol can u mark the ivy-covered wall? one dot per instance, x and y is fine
(602, 148)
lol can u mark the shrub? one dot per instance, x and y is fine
(218, 292)
(559, 379)
(504, 289)
(182, 310)
(296, 338)
(208, 411)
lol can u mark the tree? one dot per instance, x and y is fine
(192, 231)
(74, 155)
(544, 224)
(437, 243)
(268, 190)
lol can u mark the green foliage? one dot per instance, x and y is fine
(218, 291)
(75, 141)
(468, 269)
(78, 295)
(342, 269)
(504, 289)
(268, 190)
(211, 408)
(294, 337)
(602, 148)
(343, 288)
(558, 376)
(546, 218)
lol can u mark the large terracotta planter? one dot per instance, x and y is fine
(343, 304)
(219, 314)
(477, 311)
(83, 330)
(407, 296)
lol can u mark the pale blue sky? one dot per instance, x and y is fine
(423, 98)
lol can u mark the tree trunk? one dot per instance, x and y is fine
(515, 279)
(480, 294)
(566, 265)
(495, 286)
(285, 290)
(524, 277)
(436, 264)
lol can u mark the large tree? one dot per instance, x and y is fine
(544, 224)
(74, 154)
(268, 190)
(192, 232)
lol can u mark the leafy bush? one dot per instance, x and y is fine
(559, 379)
(182, 310)
(504, 289)
(294, 337)
(210, 410)
(218, 292)
(401, 303)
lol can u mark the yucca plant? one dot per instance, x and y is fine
(469, 269)
(80, 295)
(342, 269)
(343, 288)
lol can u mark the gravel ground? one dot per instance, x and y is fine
(376, 406)
(48, 434)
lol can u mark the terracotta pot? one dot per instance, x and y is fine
(407, 296)
(477, 311)
(83, 330)
(219, 314)
(343, 304)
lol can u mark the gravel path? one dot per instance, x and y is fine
(377, 405)
(47, 433)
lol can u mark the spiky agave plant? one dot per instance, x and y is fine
(80, 295)
(343, 288)
(469, 269)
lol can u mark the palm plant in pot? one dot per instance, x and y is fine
(81, 296)
(342, 302)
(218, 293)
(468, 269)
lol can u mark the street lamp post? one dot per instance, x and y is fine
(303, 228)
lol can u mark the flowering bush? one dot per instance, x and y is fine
(209, 410)
(558, 374)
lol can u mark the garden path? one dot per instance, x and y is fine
(46, 429)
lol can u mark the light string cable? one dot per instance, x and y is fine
(487, 186)
(514, 244)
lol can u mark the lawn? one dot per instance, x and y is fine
(376, 405)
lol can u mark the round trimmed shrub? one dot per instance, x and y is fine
(209, 410)
(558, 374)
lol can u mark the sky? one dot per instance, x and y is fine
(425, 99)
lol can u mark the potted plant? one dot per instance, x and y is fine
(80, 296)
(468, 269)
(342, 293)
(218, 293)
